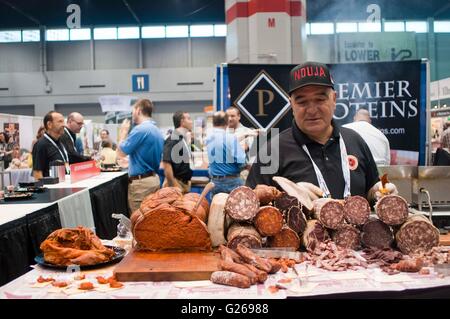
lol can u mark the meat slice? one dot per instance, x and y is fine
(315, 233)
(347, 236)
(329, 212)
(285, 238)
(268, 221)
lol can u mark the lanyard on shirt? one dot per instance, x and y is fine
(345, 170)
(66, 157)
(71, 138)
(191, 160)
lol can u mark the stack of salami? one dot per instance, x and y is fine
(267, 217)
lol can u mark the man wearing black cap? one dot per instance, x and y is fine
(315, 149)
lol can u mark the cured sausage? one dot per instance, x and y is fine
(296, 220)
(229, 255)
(238, 268)
(284, 202)
(285, 238)
(217, 222)
(261, 275)
(230, 279)
(417, 235)
(300, 192)
(329, 212)
(266, 194)
(347, 236)
(243, 234)
(376, 234)
(356, 210)
(276, 266)
(253, 259)
(392, 209)
(268, 221)
(315, 233)
(242, 204)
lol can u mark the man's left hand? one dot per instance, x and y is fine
(124, 128)
(378, 191)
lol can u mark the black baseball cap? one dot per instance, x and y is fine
(310, 73)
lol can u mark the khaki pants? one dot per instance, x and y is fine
(185, 188)
(139, 189)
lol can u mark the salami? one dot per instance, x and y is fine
(296, 220)
(253, 259)
(417, 235)
(229, 255)
(284, 202)
(240, 269)
(329, 212)
(268, 221)
(261, 276)
(376, 234)
(392, 209)
(356, 210)
(243, 234)
(315, 233)
(230, 279)
(285, 238)
(242, 204)
(347, 236)
(266, 194)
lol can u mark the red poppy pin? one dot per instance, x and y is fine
(352, 162)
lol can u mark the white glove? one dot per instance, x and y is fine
(377, 191)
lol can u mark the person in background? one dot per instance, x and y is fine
(104, 136)
(108, 155)
(445, 138)
(226, 156)
(177, 158)
(315, 149)
(375, 139)
(39, 134)
(143, 145)
(49, 148)
(75, 122)
(6, 149)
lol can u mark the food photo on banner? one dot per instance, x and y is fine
(392, 92)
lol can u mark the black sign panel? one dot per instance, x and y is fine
(389, 90)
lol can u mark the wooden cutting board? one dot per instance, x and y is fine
(444, 240)
(173, 266)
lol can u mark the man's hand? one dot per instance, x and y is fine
(124, 128)
(378, 191)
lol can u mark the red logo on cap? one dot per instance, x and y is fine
(309, 71)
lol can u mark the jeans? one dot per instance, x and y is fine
(225, 185)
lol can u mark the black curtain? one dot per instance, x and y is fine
(108, 199)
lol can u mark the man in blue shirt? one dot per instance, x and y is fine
(144, 146)
(226, 156)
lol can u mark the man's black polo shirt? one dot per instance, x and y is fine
(68, 140)
(295, 164)
(180, 165)
(45, 152)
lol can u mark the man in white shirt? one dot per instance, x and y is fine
(375, 139)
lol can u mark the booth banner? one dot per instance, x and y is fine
(391, 91)
(115, 103)
(376, 47)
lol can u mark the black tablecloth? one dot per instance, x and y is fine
(40, 224)
(108, 199)
(14, 250)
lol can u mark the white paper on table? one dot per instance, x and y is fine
(303, 289)
(347, 275)
(40, 284)
(392, 278)
(192, 284)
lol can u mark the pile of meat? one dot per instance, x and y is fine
(242, 268)
(78, 246)
(166, 220)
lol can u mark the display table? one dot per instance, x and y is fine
(89, 203)
(22, 175)
(313, 283)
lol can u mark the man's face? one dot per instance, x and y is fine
(104, 136)
(233, 118)
(57, 124)
(313, 107)
(75, 124)
(186, 122)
